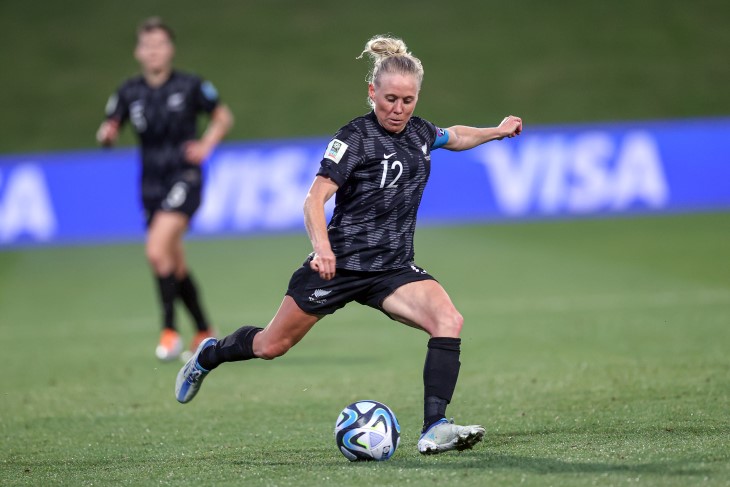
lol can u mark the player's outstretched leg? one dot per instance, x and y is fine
(445, 436)
(191, 375)
(287, 328)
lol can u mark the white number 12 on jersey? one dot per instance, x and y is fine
(396, 164)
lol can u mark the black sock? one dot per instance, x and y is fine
(188, 292)
(233, 348)
(440, 373)
(434, 409)
(167, 286)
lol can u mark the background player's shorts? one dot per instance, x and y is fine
(181, 197)
(316, 296)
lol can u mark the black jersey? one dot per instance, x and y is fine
(164, 118)
(381, 178)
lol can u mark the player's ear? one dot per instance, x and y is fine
(371, 92)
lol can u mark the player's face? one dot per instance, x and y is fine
(395, 99)
(154, 51)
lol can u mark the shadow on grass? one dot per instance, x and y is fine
(543, 465)
(477, 460)
(471, 463)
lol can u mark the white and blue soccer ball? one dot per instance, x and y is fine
(367, 430)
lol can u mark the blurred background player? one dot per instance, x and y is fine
(163, 105)
(378, 166)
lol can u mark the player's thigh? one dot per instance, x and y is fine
(425, 305)
(285, 330)
(166, 230)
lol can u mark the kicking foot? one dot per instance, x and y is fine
(191, 375)
(197, 339)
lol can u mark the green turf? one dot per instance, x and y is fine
(287, 67)
(595, 353)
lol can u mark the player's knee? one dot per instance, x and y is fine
(154, 255)
(450, 323)
(160, 261)
(270, 351)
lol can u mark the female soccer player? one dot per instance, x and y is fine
(163, 105)
(377, 165)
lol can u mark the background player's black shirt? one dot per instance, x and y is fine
(381, 178)
(164, 118)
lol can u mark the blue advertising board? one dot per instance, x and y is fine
(258, 187)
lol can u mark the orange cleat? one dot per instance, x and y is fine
(170, 345)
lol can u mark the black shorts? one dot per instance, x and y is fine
(316, 296)
(180, 196)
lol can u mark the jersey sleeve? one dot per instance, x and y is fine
(117, 108)
(343, 154)
(435, 137)
(442, 138)
(439, 136)
(206, 95)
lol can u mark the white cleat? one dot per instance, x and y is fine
(191, 375)
(446, 436)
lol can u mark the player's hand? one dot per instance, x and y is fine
(196, 152)
(510, 126)
(108, 133)
(324, 263)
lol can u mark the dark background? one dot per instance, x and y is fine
(288, 68)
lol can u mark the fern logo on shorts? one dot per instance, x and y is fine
(176, 197)
(318, 296)
(335, 150)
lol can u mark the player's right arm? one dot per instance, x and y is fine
(116, 112)
(343, 154)
(108, 133)
(320, 192)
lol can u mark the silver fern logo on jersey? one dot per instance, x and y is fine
(176, 102)
(335, 150)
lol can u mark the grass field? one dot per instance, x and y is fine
(595, 353)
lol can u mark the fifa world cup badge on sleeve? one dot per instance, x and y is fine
(209, 90)
(335, 150)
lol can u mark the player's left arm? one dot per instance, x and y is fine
(221, 121)
(462, 137)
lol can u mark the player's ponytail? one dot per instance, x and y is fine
(390, 55)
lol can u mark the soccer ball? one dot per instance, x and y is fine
(367, 430)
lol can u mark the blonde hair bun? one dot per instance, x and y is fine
(390, 55)
(383, 46)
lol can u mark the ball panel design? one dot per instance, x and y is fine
(367, 430)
